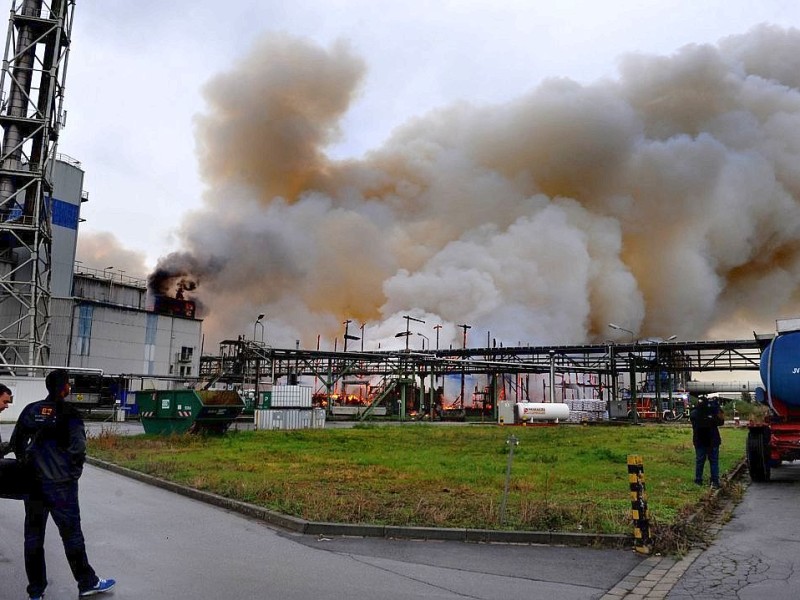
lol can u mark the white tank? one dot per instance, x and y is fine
(541, 411)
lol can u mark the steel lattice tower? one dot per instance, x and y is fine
(31, 100)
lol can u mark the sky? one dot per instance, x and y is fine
(147, 81)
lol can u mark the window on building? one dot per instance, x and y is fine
(85, 314)
(186, 353)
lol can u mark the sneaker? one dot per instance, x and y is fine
(715, 486)
(696, 482)
(102, 585)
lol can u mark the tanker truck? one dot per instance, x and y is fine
(777, 437)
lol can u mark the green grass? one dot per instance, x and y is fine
(567, 478)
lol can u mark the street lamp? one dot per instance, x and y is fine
(463, 358)
(614, 326)
(407, 332)
(424, 339)
(437, 328)
(670, 401)
(258, 322)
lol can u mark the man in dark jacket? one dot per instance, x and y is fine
(6, 398)
(51, 440)
(706, 417)
(14, 480)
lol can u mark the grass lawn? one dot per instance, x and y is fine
(567, 478)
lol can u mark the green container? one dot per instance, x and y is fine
(265, 401)
(182, 411)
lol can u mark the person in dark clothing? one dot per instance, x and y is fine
(6, 398)
(50, 440)
(14, 480)
(706, 417)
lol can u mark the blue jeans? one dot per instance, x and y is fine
(701, 453)
(61, 501)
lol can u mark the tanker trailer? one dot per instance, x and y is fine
(777, 438)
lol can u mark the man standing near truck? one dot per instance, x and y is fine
(51, 440)
(706, 417)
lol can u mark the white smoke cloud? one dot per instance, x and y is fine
(665, 201)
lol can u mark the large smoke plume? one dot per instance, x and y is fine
(98, 250)
(665, 201)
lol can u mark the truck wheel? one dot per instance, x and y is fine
(757, 455)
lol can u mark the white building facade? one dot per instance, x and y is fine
(101, 319)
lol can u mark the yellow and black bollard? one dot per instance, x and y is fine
(641, 524)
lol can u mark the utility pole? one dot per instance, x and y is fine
(464, 346)
(347, 336)
(408, 327)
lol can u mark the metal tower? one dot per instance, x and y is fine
(31, 99)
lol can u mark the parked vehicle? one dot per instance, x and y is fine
(776, 438)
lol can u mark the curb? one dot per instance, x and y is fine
(654, 577)
(297, 525)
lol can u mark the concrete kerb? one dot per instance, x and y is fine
(655, 577)
(358, 530)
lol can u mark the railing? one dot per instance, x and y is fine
(69, 160)
(110, 275)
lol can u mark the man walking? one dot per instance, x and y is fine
(706, 417)
(51, 440)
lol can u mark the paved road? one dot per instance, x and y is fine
(162, 545)
(757, 554)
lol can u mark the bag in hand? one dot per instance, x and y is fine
(15, 479)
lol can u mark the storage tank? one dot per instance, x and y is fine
(540, 411)
(780, 369)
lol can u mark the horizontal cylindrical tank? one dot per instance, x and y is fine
(780, 368)
(541, 411)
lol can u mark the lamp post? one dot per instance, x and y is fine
(347, 336)
(614, 326)
(258, 322)
(437, 328)
(107, 272)
(670, 402)
(632, 368)
(464, 327)
(424, 339)
(407, 332)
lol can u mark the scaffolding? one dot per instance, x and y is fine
(31, 105)
(660, 367)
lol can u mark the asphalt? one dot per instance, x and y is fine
(135, 525)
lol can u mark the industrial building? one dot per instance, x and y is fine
(102, 319)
